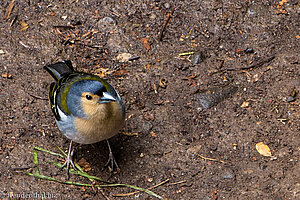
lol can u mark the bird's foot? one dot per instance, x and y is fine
(111, 161)
(67, 164)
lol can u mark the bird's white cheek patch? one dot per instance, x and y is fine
(62, 114)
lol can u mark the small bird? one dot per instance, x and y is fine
(87, 109)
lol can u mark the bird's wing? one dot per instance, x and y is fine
(57, 70)
(58, 105)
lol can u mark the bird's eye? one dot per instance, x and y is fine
(88, 97)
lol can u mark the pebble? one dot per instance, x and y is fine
(167, 5)
(228, 173)
(263, 167)
(109, 20)
(290, 99)
(197, 59)
(146, 127)
(213, 96)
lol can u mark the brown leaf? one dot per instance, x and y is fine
(163, 83)
(153, 134)
(121, 72)
(8, 76)
(245, 104)
(146, 43)
(263, 149)
(24, 25)
(84, 164)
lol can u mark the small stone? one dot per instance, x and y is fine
(228, 173)
(249, 50)
(194, 150)
(146, 127)
(167, 5)
(150, 180)
(197, 59)
(109, 20)
(263, 167)
(290, 99)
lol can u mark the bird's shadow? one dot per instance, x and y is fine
(97, 155)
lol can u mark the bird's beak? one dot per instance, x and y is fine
(107, 98)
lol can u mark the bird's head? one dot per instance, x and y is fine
(88, 97)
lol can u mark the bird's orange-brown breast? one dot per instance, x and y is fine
(103, 122)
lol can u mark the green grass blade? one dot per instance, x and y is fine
(39, 176)
(186, 54)
(36, 161)
(133, 187)
(84, 174)
(49, 152)
(62, 151)
(80, 172)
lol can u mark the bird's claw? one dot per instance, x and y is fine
(111, 162)
(67, 164)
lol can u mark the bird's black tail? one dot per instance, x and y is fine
(56, 70)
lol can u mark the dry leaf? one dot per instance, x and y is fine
(146, 43)
(124, 57)
(121, 72)
(8, 76)
(245, 104)
(153, 134)
(24, 25)
(163, 83)
(102, 72)
(84, 164)
(263, 149)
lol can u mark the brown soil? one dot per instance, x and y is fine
(254, 46)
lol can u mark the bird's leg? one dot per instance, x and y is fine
(68, 161)
(111, 159)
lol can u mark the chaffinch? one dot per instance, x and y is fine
(87, 109)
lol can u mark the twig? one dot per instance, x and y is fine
(221, 64)
(260, 63)
(178, 182)
(38, 97)
(169, 16)
(22, 168)
(134, 58)
(9, 9)
(76, 42)
(212, 159)
(131, 193)
(64, 27)
(255, 65)
(103, 194)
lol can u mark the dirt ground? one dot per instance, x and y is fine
(203, 153)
